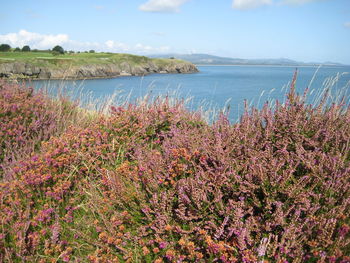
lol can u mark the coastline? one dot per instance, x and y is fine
(45, 66)
(264, 65)
(22, 71)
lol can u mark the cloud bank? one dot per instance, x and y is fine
(299, 2)
(43, 41)
(249, 4)
(35, 40)
(162, 6)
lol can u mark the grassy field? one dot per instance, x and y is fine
(47, 58)
(154, 182)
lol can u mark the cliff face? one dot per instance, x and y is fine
(27, 70)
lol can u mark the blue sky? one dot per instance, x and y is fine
(304, 30)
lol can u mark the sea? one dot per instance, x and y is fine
(214, 88)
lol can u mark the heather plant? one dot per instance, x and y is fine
(28, 118)
(154, 182)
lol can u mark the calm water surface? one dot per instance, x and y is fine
(217, 86)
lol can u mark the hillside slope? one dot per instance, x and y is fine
(43, 65)
(206, 59)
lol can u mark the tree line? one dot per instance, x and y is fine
(56, 50)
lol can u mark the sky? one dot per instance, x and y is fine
(303, 30)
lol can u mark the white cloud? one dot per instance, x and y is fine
(162, 6)
(299, 2)
(34, 40)
(249, 4)
(114, 45)
(42, 41)
(148, 49)
(347, 24)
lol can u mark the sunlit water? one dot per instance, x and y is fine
(216, 87)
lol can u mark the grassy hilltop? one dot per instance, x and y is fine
(48, 58)
(154, 182)
(46, 65)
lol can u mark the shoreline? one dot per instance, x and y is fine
(263, 65)
(45, 66)
(28, 71)
(91, 78)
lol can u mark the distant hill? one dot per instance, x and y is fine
(205, 59)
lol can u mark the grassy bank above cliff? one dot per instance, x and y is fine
(48, 59)
(154, 182)
(45, 65)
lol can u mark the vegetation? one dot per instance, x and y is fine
(25, 48)
(4, 47)
(58, 49)
(154, 182)
(56, 60)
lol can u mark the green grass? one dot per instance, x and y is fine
(78, 59)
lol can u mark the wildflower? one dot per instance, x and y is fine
(170, 254)
(190, 246)
(168, 228)
(202, 232)
(65, 258)
(145, 251)
(199, 255)
(344, 230)
(110, 240)
(181, 242)
(117, 241)
(103, 236)
(162, 245)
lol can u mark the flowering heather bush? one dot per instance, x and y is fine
(27, 118)
(156, 183)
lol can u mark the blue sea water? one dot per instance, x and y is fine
(217, 87)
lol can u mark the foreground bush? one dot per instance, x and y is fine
(27, 119)
(155, 183)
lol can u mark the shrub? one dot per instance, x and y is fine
(27, 119)
(155, 183)
(26, 49)
(58, 49)
(5, 47)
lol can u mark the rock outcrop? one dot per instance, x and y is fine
(22, 70)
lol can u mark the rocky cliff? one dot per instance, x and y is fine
(26, 70)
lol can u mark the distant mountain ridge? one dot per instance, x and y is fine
(206, 59)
